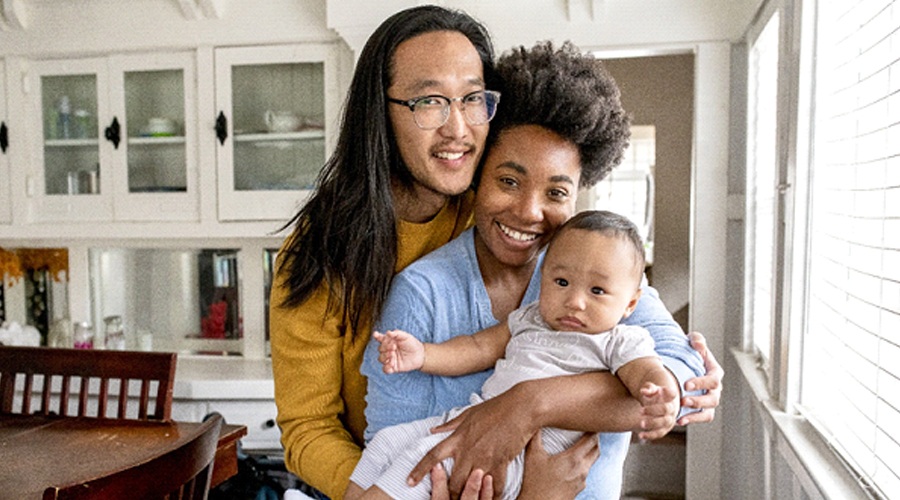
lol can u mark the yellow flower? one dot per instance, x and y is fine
(15, 262)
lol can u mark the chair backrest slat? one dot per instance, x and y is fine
(65, 365)
(45, 394)
(64, 396)
(7, 391)
(26, 402)
(83, 397)
(123, 397)
(145, 398)
(103, 396)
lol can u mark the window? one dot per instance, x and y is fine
(822, 254)
(762, 167)
(628, 189)
(850, 383)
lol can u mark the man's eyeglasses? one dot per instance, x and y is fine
(432, 111)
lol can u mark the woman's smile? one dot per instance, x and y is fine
(517, 235)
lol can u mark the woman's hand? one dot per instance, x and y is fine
(711, 382)
(478, 486)
(562, 475)
(486, 437)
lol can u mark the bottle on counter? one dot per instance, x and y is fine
(60, 334)
(83, 336)
(144, 340)
(115, 335)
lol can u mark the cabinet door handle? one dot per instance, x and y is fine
(4, 137)
(221, 127)
(112, 133)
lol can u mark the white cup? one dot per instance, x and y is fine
(281, 121)
(160, 126)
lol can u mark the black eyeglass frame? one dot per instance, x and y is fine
(412, 103)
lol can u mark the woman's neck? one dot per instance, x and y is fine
(505, 284)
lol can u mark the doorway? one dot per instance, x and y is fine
(658, 92)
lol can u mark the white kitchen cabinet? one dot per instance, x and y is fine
(5, 202)
(267, 168)
(117, 138)
(259, 417)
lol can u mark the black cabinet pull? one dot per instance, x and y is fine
(112, 133)
(4, 137)
(221, 127)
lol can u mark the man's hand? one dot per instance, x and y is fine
(562, 475)
(711, 383)
(399, 351)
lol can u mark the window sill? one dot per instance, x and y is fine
(819, 471)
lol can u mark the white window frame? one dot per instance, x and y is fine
(795, 132)
(760, 262)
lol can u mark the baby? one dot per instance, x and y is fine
(591, 279)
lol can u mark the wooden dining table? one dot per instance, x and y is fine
(37, 452)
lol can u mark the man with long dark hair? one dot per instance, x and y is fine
(396, 188)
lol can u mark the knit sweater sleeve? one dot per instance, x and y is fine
(307, 359)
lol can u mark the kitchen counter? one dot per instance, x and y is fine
(239, 389)
(218, 378)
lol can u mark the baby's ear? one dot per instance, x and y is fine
(632, 304)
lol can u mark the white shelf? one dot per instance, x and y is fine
(63, 143)
(156, 140)
(302, 135)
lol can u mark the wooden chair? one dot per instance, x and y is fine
(67, 365)
(182, 473)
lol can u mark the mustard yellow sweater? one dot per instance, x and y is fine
(319, 391)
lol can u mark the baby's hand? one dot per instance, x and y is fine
(660, 407)
(399, 351)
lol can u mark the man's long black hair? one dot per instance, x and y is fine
(345, 235)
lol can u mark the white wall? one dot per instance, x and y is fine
(588, 23)
(74, 27)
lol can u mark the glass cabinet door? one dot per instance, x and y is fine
(155, 98)
(273, 103)
(5, 193)
(71, 152)
(72, 181)
(118, 138)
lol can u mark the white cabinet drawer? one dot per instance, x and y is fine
(258, 416)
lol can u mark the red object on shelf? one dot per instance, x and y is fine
(213, 325)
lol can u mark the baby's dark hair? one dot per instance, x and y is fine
(608, 224)
(572, 94)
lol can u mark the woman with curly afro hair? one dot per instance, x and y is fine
(560, 127)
